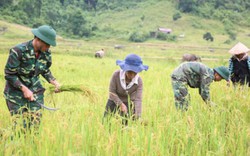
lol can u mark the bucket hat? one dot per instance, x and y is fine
(133, 63)
(239, 48)
(223, 72)
(45, 33)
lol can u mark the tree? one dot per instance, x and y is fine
(91, 3)
(187, 5)
(31, 8)
(176, 16)
(4, 3)
(77, 23)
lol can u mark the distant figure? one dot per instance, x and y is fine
(195, 75)
(239, 65)
(190, 58)
(119, 47)
(99, 54)
(211, 50)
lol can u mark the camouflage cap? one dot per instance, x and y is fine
(223, 72)
(46, 33)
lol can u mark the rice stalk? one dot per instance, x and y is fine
(79, 88)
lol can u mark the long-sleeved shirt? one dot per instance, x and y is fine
(120, 95)
(197, 75)
(24, 68)
(240, 70)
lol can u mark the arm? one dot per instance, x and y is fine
(11, 73)
(206, 78)
(205, 93)
(138, 99)
(11, 68)
(204, 89)
(230, 68)
(206, 96)
(113, 89)
(248, 62)
(47, 73)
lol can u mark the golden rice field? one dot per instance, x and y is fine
(76, 129)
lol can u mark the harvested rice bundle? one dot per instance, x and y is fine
(76, 88)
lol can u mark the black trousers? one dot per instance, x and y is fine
(112, 108)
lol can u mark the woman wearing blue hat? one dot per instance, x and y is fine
(125, 89)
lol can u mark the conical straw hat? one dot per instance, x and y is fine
(239, 48)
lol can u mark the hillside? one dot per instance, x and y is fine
(159, 14)
(115, 27)
(152, 50)
(117, 20)
(78, 129)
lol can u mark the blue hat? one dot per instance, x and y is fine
(133, 63)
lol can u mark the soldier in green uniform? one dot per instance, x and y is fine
(195, 75)
(23, 91)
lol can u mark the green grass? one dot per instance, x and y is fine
(159, 14)
(77, 129)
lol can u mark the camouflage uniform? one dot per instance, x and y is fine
(23, 67)
(195, 75)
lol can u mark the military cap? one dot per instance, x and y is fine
(45, 33)
(223, 72)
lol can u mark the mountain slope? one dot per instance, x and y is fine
(118, 25)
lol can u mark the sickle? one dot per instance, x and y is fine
(48, 108)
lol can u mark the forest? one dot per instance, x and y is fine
(79, 18)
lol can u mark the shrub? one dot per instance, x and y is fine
(171, 37)
(138, 36)
(208, 36)
(176, 16)
(227, 41)
(230, 29)
(166, 37)
(232, 34)
(161, 36)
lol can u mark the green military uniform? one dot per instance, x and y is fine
(23, 67)
(195, 75)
